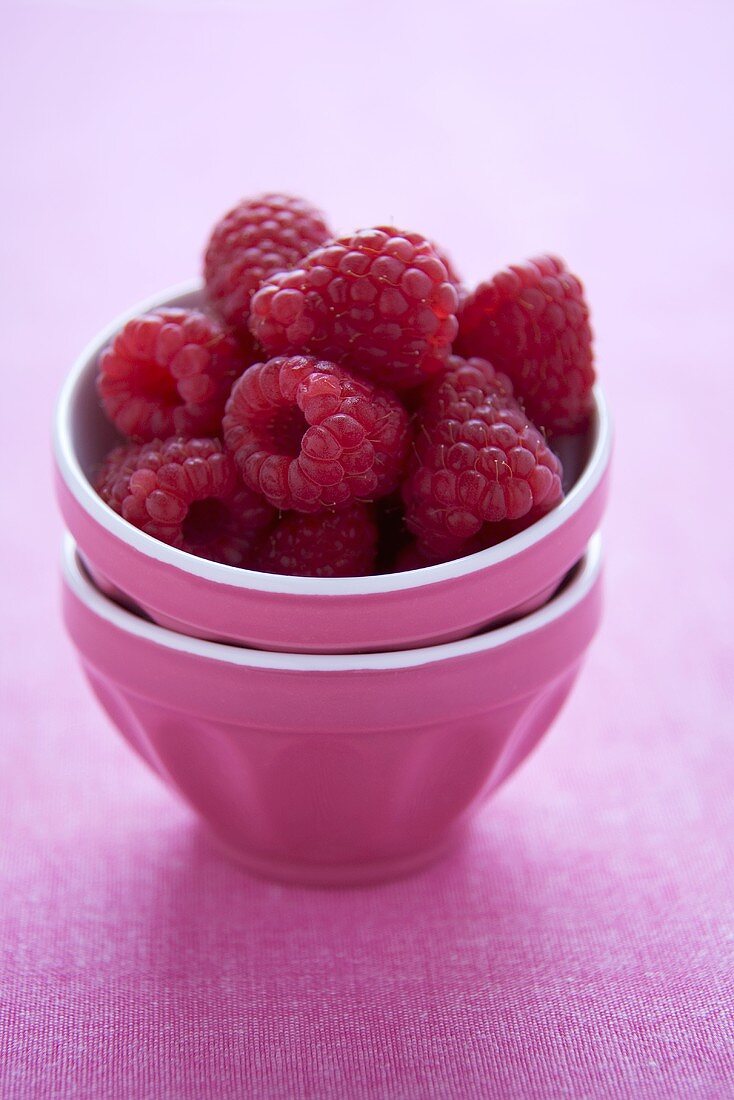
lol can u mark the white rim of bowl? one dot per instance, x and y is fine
(105, 608)
(80, 487)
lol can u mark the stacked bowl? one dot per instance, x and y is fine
(328, 731)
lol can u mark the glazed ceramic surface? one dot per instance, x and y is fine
(333, 768)
(395, 611)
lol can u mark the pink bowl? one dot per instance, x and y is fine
(333, 769)
(395, 611)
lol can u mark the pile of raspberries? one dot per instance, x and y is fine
(342, 406)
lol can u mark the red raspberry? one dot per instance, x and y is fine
(331, 544)
(185, 492)
(479, 461)
(167, 373)
(532, 322)
(451, 272)
(379, 303)
(309, 436)
(259, 237)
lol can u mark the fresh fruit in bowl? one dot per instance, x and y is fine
(327, 376)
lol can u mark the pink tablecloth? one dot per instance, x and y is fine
(582, 944)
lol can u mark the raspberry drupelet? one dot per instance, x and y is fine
(168, 372)
(532, 322)
(258, 237)
(185, 492)
(478, 462)
(380, 303)
(309, 436)
(451, 273)
(342, 543)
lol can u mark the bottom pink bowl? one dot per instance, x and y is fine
(333, 769)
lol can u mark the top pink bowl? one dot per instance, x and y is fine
(304, 614)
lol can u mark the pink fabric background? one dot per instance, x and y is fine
(582, 944)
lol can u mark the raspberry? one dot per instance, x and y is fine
(166, 373)
(331, 544)
(532, 323)
(259, 237)
(309, 436)
(479, 461)
(451, 273)
(379, 303)
(186, 493)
